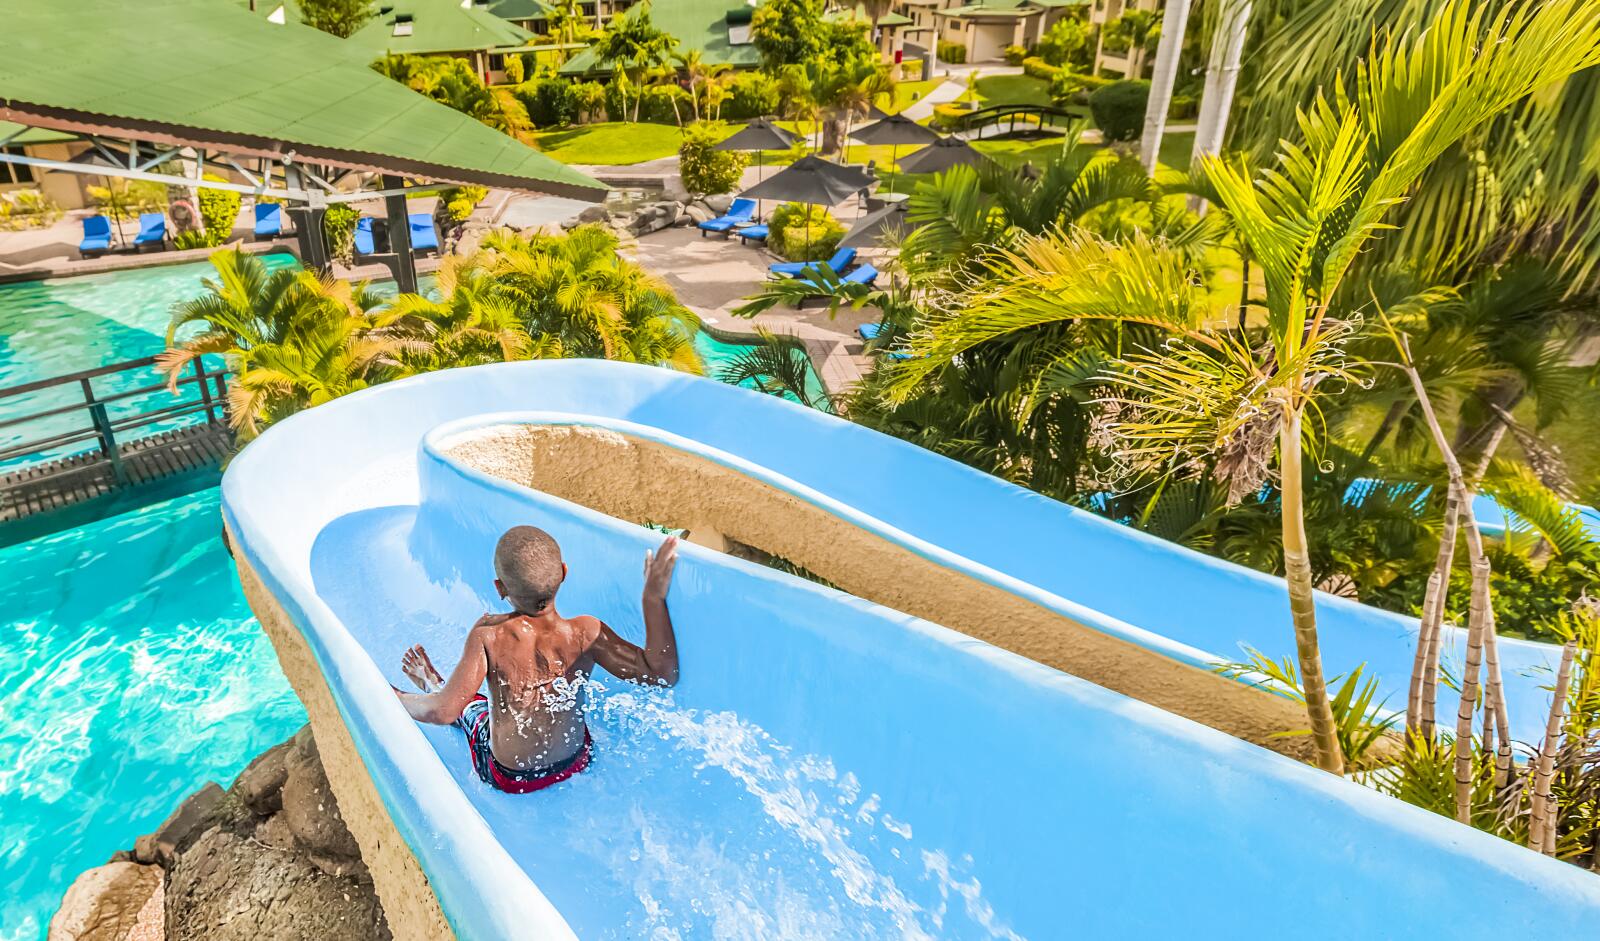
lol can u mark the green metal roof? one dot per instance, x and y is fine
(436, 26)
(31, 135)
(695, 24)
(519, 9)
(859, 12)
(207, 73)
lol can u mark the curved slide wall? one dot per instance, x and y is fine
(828, 767)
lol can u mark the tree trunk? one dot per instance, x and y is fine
(1302, 600)
(1168, 51)
(1541, 816)
(1477, 616)
(1222, 76)
(1425, 667)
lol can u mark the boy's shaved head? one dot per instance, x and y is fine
(528, 563)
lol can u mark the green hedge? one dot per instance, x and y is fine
(1015, 55)
(1075, 87)
(705, 171)
(1118, 109)
(551, 101)
(219, 210)
(1038, 68)
(339, 228)
(952, 52)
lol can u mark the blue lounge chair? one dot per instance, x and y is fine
(866, 274)
(269, 220)
(752, 233)
(871, 331)
(364, 236)
(741, 212)
(791, 269)
(423, 236)
(96, 235)
(152, 230)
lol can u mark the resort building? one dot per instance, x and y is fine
(719, 29)
(1129, 63)
(987, 27)
(467, 30)
(67, 190)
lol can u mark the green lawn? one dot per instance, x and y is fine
(612, 143)
(907, 94)
(1012, 90)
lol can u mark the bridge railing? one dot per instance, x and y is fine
(1043, 115)
(95, 418)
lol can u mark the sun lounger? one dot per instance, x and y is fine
(152, 230)
(269, 220)
(752, 233)
(364, 236)
(96, 235)
(741, 212)
(871, 331)
(423, 236)
(791, 269)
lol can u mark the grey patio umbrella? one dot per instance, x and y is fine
(871, 229)
(813, 181)
(760, 134)
(941, 155)
(102, 155)
(894, 130)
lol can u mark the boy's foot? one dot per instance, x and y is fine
(415, 663)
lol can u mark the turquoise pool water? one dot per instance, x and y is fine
(719, 354)
(134, 673)
(64, 325)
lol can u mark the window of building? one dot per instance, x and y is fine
(14, 172)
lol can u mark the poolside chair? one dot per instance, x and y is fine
(866, 274)
(752, 233)
(871, 331)
(96, 236)
(269, 220)
(364, 236)
(152, 230)
(791, 269)
(423, 236)
(741, 212)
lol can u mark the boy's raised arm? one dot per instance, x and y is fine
(657, 661)
(443, 702)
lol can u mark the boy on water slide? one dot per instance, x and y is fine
(529, 733)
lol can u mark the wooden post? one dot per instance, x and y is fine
(102, 428)
(205, 389)
(405, 265)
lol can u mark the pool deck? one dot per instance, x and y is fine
(711, 276)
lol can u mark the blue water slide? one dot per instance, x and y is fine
(829, 767)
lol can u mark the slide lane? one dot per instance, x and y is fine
(829, 767)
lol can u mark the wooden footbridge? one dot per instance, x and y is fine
(77, 444)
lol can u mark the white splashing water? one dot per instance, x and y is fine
(736, 837)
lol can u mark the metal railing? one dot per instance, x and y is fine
(1044, 115)
(110, 434)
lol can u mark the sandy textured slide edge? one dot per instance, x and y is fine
(408, 900)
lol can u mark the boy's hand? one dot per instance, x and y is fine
(658, 569)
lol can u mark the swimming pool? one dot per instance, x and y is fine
(134, 674)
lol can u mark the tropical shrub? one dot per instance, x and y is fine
(550, 100)
(219, 210)
(590, 99)
(1015, 54)
(911, 70)
(1066, 43)
(948, 116)
(1038, 68)
(23, 209)
(1183, 108)
(706, 171)
(1118, 109)
(665, 104)
(954, 53)
(753, 95)
(516, 69)
(452, 82)
(339, 229)
(798, 232)
(340, 18)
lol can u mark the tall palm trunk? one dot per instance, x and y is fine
(1222, 77)
(1542, 809)
(1302, 600)
(1425, 667)
(1168, 51)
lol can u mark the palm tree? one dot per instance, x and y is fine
(294, 339)
(472, 322)
(634, 45)
(1365, 144)
(702, 76)
(1174, 19)
(777, 366)
(576, 297)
